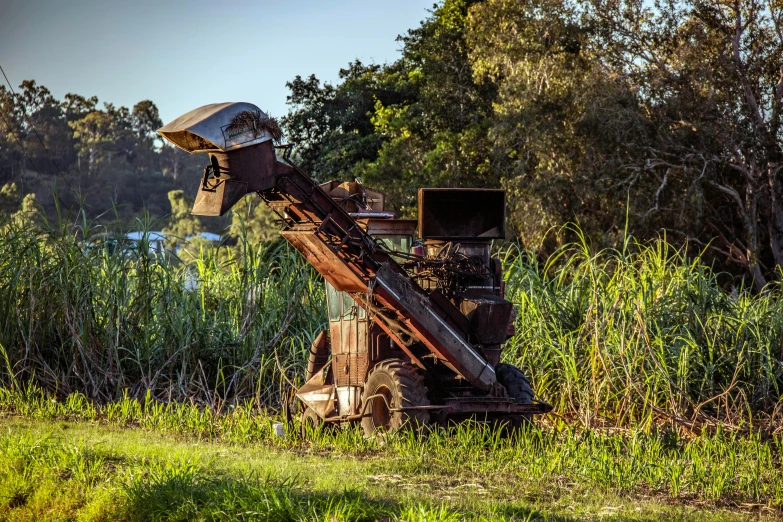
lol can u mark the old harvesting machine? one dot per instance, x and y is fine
(416, 328)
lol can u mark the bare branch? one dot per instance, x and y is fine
(710, 246)
(732, 194)
(737, 251)
(736, 43)
(658, 194)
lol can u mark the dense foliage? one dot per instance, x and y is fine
(72, 153)
(615, 114)
(619, 115)
(637, 335)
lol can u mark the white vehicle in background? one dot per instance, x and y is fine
(154, 240)
(206, 236)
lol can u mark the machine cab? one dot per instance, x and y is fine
(356, 342)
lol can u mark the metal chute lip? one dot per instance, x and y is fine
(204, 129)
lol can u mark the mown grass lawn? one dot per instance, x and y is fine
(81, 470)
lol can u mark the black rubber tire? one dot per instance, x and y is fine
(309, 422)
(515, 383)
(518, 388)
(402, 384)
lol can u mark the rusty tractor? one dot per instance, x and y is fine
(416, 324)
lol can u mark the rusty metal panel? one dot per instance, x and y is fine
(359, 368)
(353, 196)
(216, 197)
(231, 175)
(349, 337)
(318, 356)
(384, 226)
(325, 261)
(454, 315)
(318, 395)
(336, 337)
(350, 369)
(489, 317)
(349, 324)
(363, 339)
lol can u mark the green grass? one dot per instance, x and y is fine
(479, 472)
(66, 470)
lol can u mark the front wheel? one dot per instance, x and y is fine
(310, 423)
(394, 384)
(515, 383)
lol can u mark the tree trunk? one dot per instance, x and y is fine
(91, 164)
(775, 218)
(751, 220)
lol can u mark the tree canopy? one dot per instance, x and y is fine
(626, 117)
(105, 157)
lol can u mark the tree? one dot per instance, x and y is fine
(421, 121)
(40, 126)
(11, 156)
(708, 78)
(115, 146)
(549, 144)
(94, 138)
(331, 126)
(9, 200)
(436, 134)
(146, 120)
(182, 224)
(77, 107)
(253, 221)
(30, 215)
(674, 108)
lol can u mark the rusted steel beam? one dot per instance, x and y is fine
(433, 329)
(351, 261)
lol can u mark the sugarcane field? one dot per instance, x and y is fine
(476, 260)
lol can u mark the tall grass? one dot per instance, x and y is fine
(616, 337)
(645, 334)
(77, 315)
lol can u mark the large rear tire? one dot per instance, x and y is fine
(394, 384)
(519, 389)
(515, 383)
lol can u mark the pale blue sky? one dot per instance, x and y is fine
(183, 54)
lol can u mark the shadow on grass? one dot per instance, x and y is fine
(174, 494)
(184, 493)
